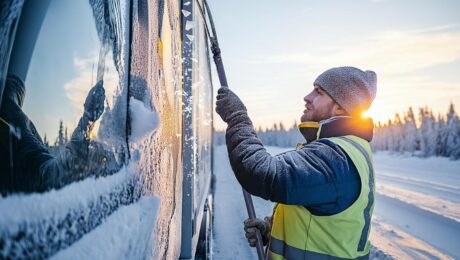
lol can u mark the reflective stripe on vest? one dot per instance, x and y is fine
(367, 214)
(298, 234)
(281, 248)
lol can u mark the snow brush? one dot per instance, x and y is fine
(223, 83)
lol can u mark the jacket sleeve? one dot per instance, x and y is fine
(308, 177)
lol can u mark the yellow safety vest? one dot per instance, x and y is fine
(298, 234)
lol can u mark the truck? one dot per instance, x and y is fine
(148, 194)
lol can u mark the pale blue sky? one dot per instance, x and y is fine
(64, 68)
(274, 50)
(67, 46)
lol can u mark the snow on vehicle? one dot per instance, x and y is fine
(152, 143)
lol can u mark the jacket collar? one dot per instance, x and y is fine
(338, 126)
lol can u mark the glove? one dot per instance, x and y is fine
(250, 227)
(94, 103)
(228, 104)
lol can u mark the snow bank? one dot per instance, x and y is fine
(426, 202)
(126, 234)
(40, 224)
(419, 196)
(397, 244)
(143, 120)
(431, 167)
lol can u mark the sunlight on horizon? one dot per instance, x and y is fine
(377, 115)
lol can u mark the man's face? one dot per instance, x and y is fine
(318, 106)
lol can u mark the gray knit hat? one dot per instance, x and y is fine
(351, 88)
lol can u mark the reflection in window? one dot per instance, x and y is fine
(67, 128)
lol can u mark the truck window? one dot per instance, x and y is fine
(73, 82)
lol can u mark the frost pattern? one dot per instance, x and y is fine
(39, 225)
(156, 81)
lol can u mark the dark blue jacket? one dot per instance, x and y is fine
(319, 175)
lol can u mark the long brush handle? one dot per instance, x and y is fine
(252, 215)
(223, 83)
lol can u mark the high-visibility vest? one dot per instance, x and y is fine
(298, 234)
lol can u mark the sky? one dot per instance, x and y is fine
(274, 50)
(63, 68)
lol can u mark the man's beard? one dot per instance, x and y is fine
(316, 115)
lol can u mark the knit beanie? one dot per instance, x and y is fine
(350, 87)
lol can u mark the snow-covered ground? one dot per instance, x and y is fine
(417, 208)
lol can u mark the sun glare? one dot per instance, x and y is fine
(376, 115)
(366, 114)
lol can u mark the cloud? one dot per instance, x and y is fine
(389, 52)
(439, 28)
(77, 88)
(86, 72)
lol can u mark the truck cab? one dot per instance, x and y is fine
(136, 181)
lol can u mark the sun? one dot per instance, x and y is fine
(378, 115)
(366, 114)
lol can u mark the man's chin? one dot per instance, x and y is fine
(305, 118)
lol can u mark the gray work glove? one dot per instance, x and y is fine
(94, 103)
(228, 104)
(250, 227)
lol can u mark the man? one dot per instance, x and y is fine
(324, 190)
(28, 166)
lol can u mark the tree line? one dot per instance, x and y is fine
(61, 139)
(277, 135)
(422, 135)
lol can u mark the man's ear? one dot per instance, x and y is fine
(339, 111)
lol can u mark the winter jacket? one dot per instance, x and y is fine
(319, 175)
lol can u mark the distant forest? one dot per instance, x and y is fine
(422, 135)
(61, 139)
(58, 145)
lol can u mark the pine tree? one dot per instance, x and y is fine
(60, 138)
(453, 133)
(66, 136)
(398, 134)
(389, 136)
(45, 141)
(410, 132)
(281, 136)
(440, 128)
(427, 132)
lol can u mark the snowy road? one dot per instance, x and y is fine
(417, 211)
(422, 198)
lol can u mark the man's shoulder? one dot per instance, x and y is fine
(326, 150)
(323, 143)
